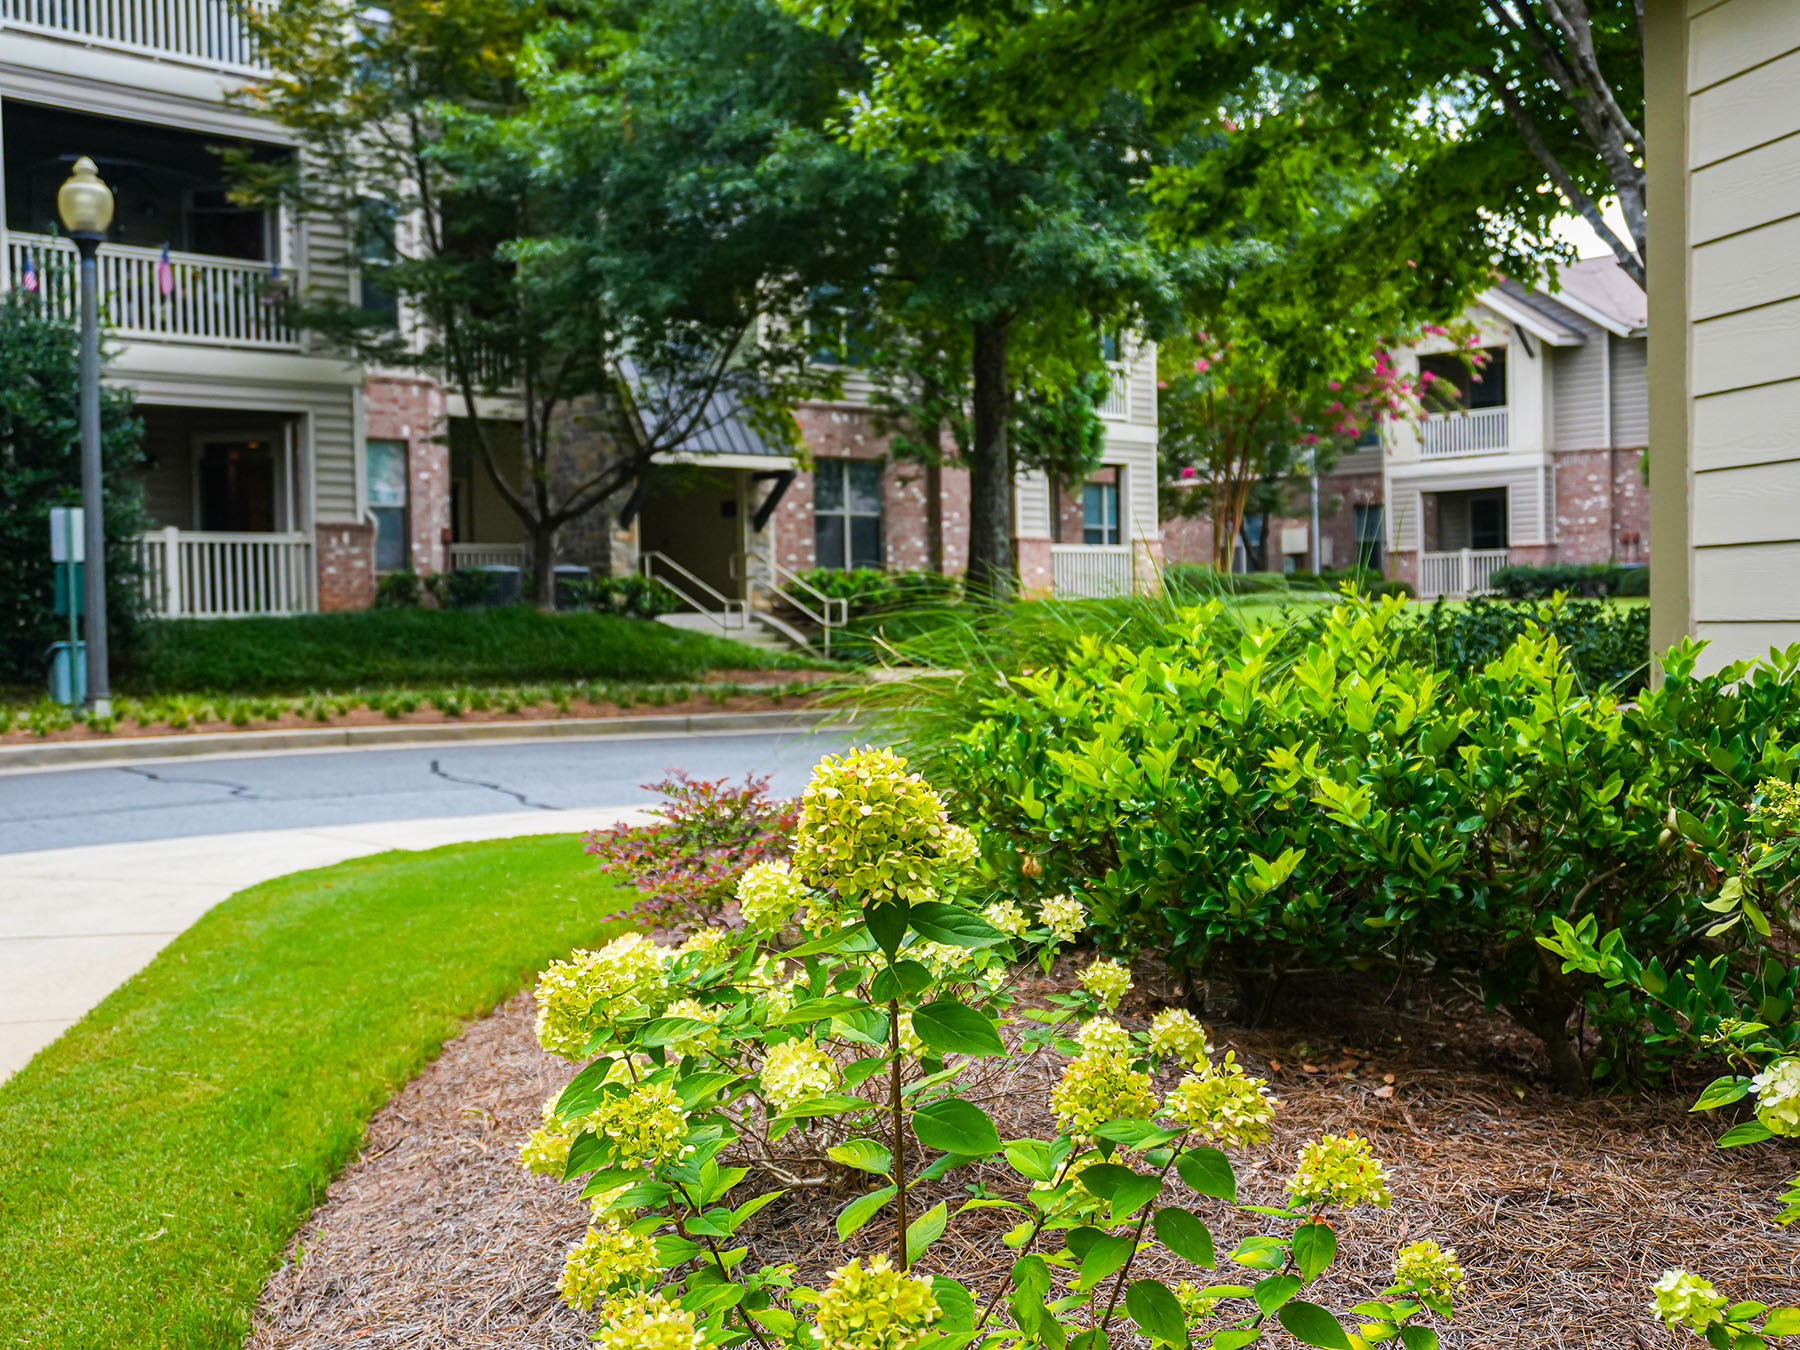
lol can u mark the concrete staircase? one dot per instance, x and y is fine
(758, 632)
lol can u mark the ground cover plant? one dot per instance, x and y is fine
(157, 1158)
(1261, 801)
(1524, 582)
(839, 1034)
(327, 707)
(301, 653)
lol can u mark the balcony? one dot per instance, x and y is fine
(218, 574)
(1091, 571)
(214, 301)
(204, 32)
(1480, 431)
(1458, 575)
(1116, 407)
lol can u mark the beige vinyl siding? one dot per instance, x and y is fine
(1031, 506)
(1526, 507)
(1358, 461)
(1578, 394)
(323, 245)
(168, 493)
(1630, 392)
(1138, 505)
(1143, 389)
(1743, 313)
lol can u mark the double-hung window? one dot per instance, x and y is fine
(847, 513)
(386, 462)
(1100, 513)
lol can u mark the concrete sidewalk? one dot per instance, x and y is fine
(75, 923)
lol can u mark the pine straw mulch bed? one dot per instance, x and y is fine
(1562, 1212)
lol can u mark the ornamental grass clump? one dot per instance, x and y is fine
(838, 1040)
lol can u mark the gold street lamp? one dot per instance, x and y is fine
(85, 204)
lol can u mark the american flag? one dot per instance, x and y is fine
(30, 280)
(165, 273)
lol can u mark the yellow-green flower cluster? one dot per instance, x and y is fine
(647, 1322)
(1342, 1170)
(877, 1308)
(606, 1258)
(769, 895)
(1686, 1300)
(796, 1071)
(1097, 1088)
(546, 1152)
(1781, 803)
(779, 985)
(910, 1044)
(1196, 1307)
(1006, 916)
(576, 996)
(697, 1042)
(942, 959)
(1424, 1268)
(1178, 1033)
(714, 944)
(1223, 1103)
(870, 829)
(1064, 916)
(1103, 1036)
(1107, 980)
(646, 1124)
(1777, 1090)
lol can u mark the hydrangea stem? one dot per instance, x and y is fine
(896, 1109)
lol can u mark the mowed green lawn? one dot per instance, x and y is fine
(155, 1161)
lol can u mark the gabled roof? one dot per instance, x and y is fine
(1599, 290)
(1527, 309)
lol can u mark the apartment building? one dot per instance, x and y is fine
(1543, 459)
(283, 477)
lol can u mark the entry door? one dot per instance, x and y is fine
(697, 518)
(241, 483)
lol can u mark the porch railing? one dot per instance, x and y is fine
(1480, 431)
(1458, 575)
(206, 574)
(206, 32)
(1116, 407)
(1091, 571)
(215, 301)
(488, 555)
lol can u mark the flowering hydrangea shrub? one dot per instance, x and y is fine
(829, 1041)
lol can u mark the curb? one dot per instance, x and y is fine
(57, 754)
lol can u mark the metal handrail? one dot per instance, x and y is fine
(728, 605)
(833, 611)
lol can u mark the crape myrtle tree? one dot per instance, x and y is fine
(559, 227)
(1501, 114)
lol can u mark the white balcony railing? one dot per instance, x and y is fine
(1458, 575)
(205, 32)
(488, 555)
(1481, 431)
(214, 301)
(1091, 571)
(1116, 406)
(203, 575)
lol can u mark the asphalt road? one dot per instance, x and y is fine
(181, 798)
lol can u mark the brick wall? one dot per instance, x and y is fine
(1036, 566)
(1189, 539)
(412, 410)
(346, 555)
(1602, 506)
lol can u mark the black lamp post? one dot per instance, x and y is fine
(86, 207)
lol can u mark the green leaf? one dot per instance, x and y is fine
(1418, 1338)
(860, 1210)
(1233, 1338)
(954, 927)
(956, 1126)
(865, 1155)
(584, 1091)
(1310, 1324)
(832, 1104)
(662, 1030)
(955, 1304)
(1314, 1247)
(887, 925)
(1156, 1311)
(1135, 1133)
(709, 1298)
(868, 1026)
(1261, 1253)
(1275, 1291)
(1133, 1195)
(950, 1027)
(1106, 1255)
(901, 980)
(829, 943)
(1783, 1322)
(925, 1230)
(815, 1010)
(697, 1087)
(1208, 1171)
(1182, 1233)
(1750, 1132)
(753, 1206)
(1103, 1179)
(1031, 1160)
(1721, 1092)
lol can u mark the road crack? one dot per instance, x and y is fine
(438, 769)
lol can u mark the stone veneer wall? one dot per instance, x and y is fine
(412, 410)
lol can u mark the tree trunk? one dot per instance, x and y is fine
(543, 565)
(1546, 1016)
(991, 566)
(934, 514)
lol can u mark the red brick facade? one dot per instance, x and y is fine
(412, 410)
(346, 566)
(1602, 507)
(1189, 539)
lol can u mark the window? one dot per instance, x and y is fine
(1484, 388)
(1487, 520)
(386, 461)
(847, 513)
(378, 250)
(1370, 522)
(1100, 513)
